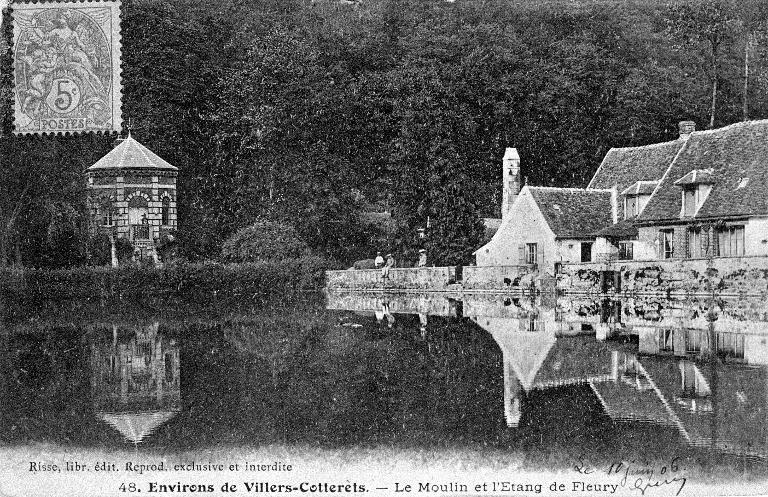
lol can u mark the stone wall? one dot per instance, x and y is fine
(493, 277)
(424, 278)
(409, 303)
(723, 276)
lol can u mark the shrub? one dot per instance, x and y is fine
(264, 241)
(205, 283)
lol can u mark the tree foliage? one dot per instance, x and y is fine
(264, 240)
(311, 113)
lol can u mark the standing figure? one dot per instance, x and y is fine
(379, 261)
(422, 258)
(389, 264)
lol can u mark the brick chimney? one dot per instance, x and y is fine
(686, 128)
(511, 180)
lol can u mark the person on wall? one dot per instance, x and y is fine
(422, 258)
(389, 264)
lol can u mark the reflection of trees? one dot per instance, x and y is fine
(312, 379)
(45, 387)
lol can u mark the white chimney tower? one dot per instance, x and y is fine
(510, 179)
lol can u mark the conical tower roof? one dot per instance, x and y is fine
(135, 427)
(131, 154)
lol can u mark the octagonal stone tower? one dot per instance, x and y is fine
(132, 195)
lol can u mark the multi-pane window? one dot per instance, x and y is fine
(730, 241)
(531, 253)
(626, 251)
(106, 214)
(666, 244)
(694, 341)
(695, 243)
(731, 345)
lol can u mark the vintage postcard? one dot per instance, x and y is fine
(66, 67)
(381, 248)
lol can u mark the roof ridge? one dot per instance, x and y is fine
(730, 126)
(664, 176)
(599, 167)
(649, 146)
(569, 189)
(122, 152)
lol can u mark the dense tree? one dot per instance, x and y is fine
(708, 22)
(310, 113)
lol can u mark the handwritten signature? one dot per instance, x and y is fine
(640, 477)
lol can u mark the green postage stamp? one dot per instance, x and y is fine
(66, 60)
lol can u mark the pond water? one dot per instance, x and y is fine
(557, 381)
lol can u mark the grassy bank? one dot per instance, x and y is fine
(193, 283)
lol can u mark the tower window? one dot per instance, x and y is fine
(166, 212)
(106, 214)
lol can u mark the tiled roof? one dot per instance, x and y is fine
(135, 427)
(574, 212)
(577, 359)
(623, 167)
(734, 420)
(641, 188)
(131, 154)
(738, 158)
(624, 229)
(697, 177)
(624, 403)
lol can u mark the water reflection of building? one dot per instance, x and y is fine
(399, 303)
(540, 359)
(646, 361)
(135, 379)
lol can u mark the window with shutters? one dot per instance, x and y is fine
(666, 244)
(531, 253)
(730, 241)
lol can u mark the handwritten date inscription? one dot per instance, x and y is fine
(641, 477)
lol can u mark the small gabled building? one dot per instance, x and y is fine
(543, 227)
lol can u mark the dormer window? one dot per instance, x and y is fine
(630, 207)
(691, 201)
(636, 197)
(696, 186)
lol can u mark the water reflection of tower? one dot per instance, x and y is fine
(135, 379)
